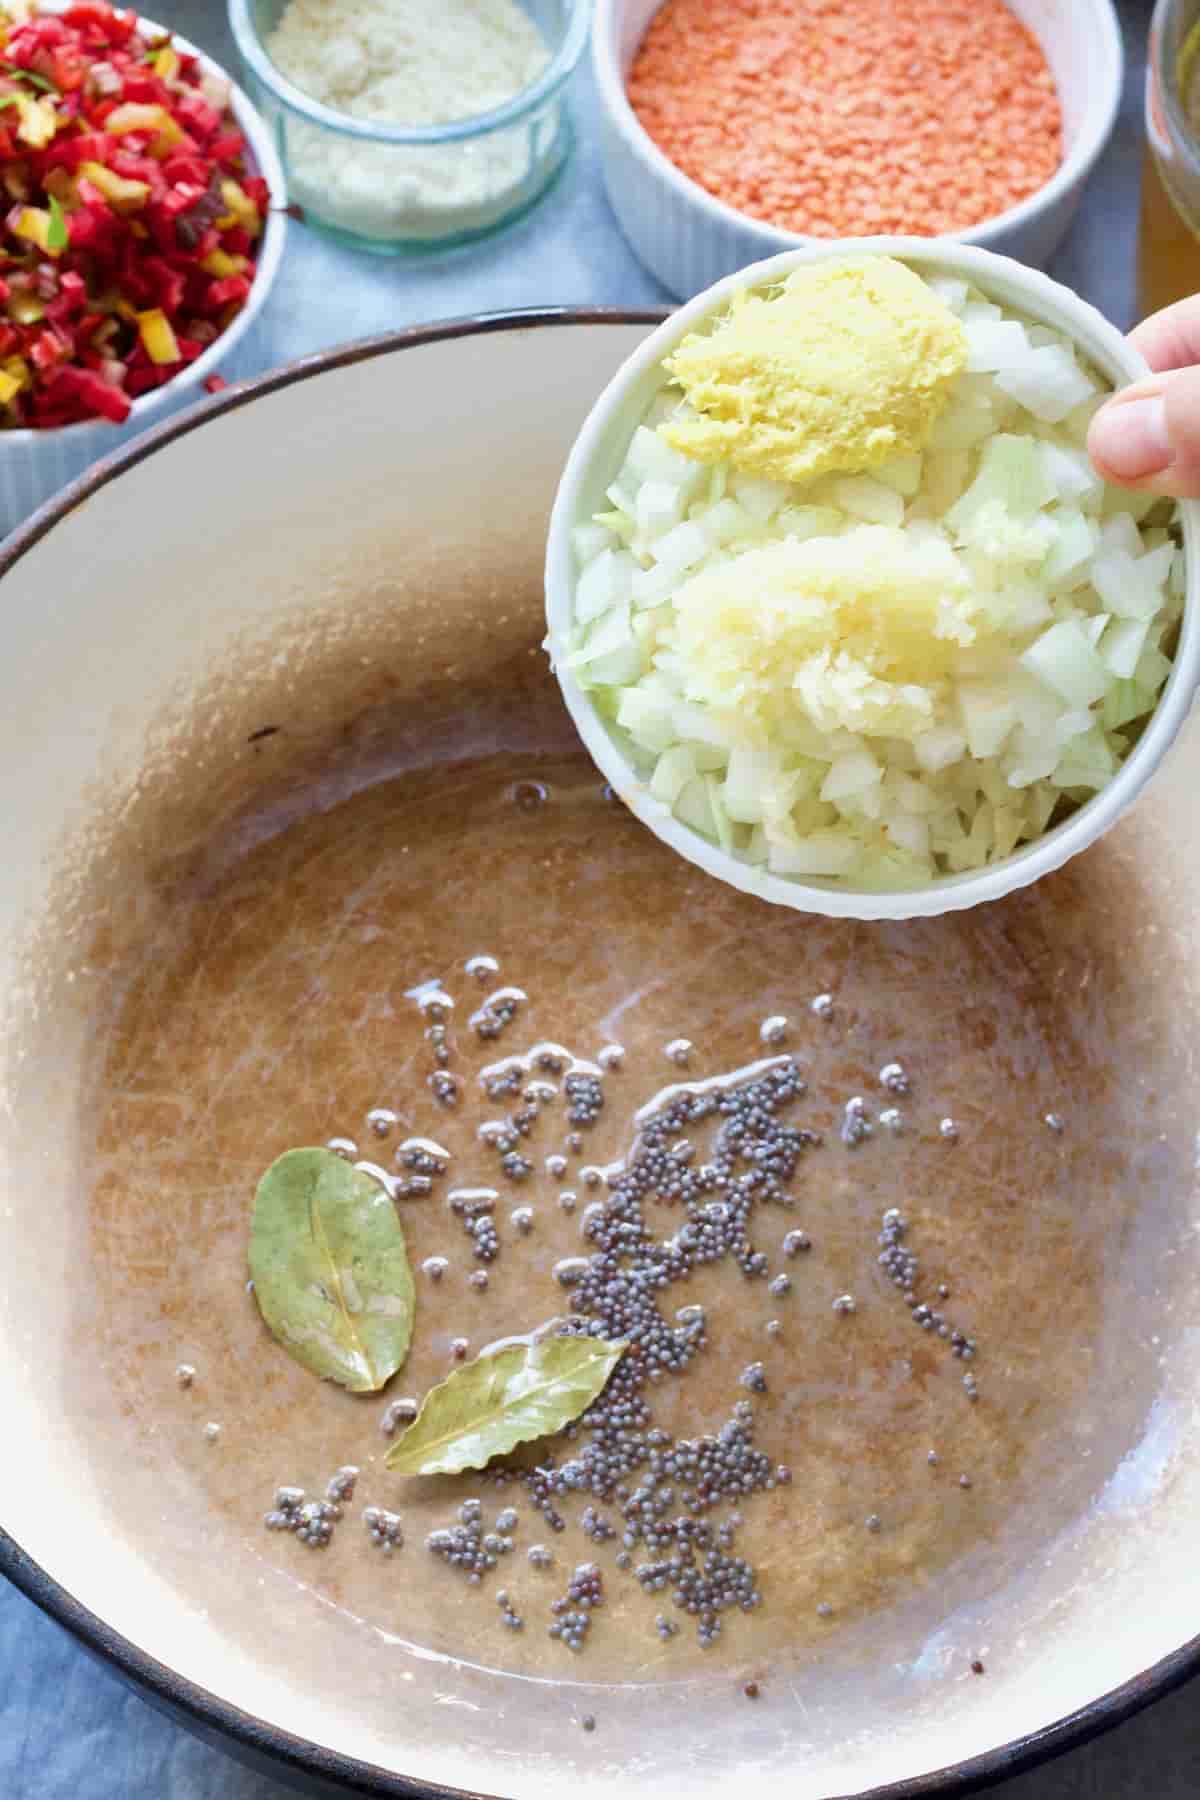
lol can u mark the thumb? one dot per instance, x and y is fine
(1148, 435)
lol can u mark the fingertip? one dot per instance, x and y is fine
(1128, 439)
(1170, 339)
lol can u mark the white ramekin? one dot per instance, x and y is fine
(593, 464)
(36, 464)
(689, 240)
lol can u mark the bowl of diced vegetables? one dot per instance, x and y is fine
(144, 227)
(837, 600)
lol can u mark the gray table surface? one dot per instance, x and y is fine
(68, 1729)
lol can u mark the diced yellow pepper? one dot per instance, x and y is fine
(122, 194)
(241, 206)
(156, 120)
(10, 386)
(17, 369)
(166, 63)
(33, 224)
(132, 115)
(38, 121)
(221, 264)
(155, 331)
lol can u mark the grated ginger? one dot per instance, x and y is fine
(846, 365)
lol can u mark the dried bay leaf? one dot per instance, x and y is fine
(330, 1269)
(507, 1396)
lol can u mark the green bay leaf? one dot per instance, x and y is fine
(330, 1269)
(504, 1398)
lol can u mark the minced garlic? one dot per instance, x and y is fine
(860, 630)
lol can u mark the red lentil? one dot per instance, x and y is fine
(845, 118)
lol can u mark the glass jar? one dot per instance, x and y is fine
(1169, 229)
(399, 188)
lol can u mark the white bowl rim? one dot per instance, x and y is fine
(1041, 297)
(266, 160)
(254, 1740)
(1071, 173)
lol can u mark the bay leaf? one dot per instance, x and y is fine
(518, 1391)
(330, 1269)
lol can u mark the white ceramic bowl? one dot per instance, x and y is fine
(689, 240)
(36, 464)
(598, 454)
(352, 600)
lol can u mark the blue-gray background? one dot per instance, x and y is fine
(68, 1730)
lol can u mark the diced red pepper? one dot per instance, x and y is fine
(68, 69)
(46, 30)
(90, 393)
(215, 383)
(70, 152)
(223, 293)
(87, 228)
(142, 234)
(194, 170)
(226, 150)
(197, 116)
(146, 89)
(169, 285)
(91, 15)
(47, 350)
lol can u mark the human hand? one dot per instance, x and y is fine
(1148, 435)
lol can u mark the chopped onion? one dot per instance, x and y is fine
(588, 541)
(659, 506)
(873, 501)
(673, 771)
(1064, 659)
(1071, 473)
(605, 582)
(746, 776)
(988, 715)
(851, 775)
(1122, 645)
(1076, 538)
(682, 548)
(1048, 382)
(995, 344)
(902, 473)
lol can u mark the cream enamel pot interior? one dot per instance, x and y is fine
(250, 617)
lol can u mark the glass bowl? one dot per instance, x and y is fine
(411, 188)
